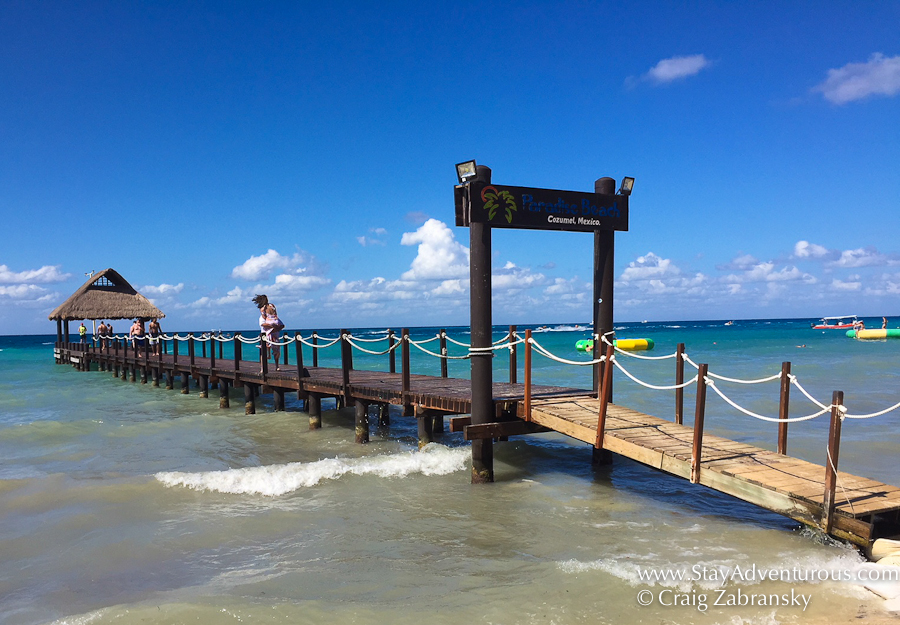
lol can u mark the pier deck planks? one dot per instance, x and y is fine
(790, 486)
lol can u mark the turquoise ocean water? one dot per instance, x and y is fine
(122, 503)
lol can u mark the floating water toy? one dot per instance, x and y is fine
(631, 345)
(889, 333)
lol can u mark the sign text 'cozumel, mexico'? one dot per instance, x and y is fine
(540, 209)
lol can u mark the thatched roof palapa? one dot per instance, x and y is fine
(106, 295)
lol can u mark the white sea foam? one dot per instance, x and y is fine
(433, 459)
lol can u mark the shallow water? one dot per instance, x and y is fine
(121, 503)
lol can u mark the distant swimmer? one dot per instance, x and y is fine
(801, 346)
(884, 323)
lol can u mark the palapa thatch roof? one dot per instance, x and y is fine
(106, 295)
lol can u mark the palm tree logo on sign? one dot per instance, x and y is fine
(494, 199)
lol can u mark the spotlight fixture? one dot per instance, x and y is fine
(465, 171)
(627, 186)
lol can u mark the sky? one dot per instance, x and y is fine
(208, 151)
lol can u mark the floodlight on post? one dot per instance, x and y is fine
(627, 186)
(465, 171)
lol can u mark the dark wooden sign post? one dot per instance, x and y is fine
(481, 206)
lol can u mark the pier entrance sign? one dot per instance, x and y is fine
(539, 209)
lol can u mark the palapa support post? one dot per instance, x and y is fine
(784, 407)
(480, 316)
(249, 398)
(224, 401)
(513, 356)
(679, 380)
(315, 348)
(346, 366)
(314, 406)
(362, 421)
(604, 277)
(831, 462)
(405, 376)
(699, 414)
(204, 385)
(59, 333)
(425, 423)
(601, 456)
(527, 372)
(278, 397)
(66, 334)
(444, 365)
(237, 351)
(185, 383)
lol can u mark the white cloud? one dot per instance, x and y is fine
(674, 68)
(648, 267)
(513, 278)
(261, 267)
(46, 274)
(766, 272)
(440, 256)
(235, 295)
(840, 285)
(163, 290)
(864, 257)
(880, 75)
(373, 240)
(805, 249)
(26, 294)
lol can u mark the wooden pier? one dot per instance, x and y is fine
(859, 510)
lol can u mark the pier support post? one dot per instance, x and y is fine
(133, 373)
(185, 383)
(314, 405)
(204, 385)
(831, 462)
(426, 428)
(249, 399)
(155, 374)
(437, 425)
(480, 323)
(362, 421)
(170, 379)
(384, 415)
(223, 394)
(278, 396)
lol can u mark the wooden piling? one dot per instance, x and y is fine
(783, 407)
(831, 461)
(191, 349)
(362, 421)
(314, 405)
(425, 428)
(204, 385)
(699, 414)
(224, 401)
(249, 399)
(237, 351)
(315, 350)
(278, 397)
(392, 354)
(384, 415)
(444, 363)
(185, 383)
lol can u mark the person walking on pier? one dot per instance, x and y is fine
(137, 334)
(101, 332)
(273, 327)
(154, 331)
(82, 332)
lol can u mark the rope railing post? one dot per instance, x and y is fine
(405, 383)
(191, 348)
(834, 446)
(203, 349)
(221, 350)
(264, 355)
(527, 375)
(679, 380)
(315, 342)
(605, 392)
(284, 355)
(513, 356)
(212, 357)
(444, 370)
(392, 355)
(298, 349)
(237, 351)
(346, 366)
(699, 414)
(175, 350)
(783, 407)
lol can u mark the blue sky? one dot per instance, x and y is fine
(212, 150)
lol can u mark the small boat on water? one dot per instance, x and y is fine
(835, 323)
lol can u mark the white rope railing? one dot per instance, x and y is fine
(367, 351)
(672, 387)
(712, 384)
